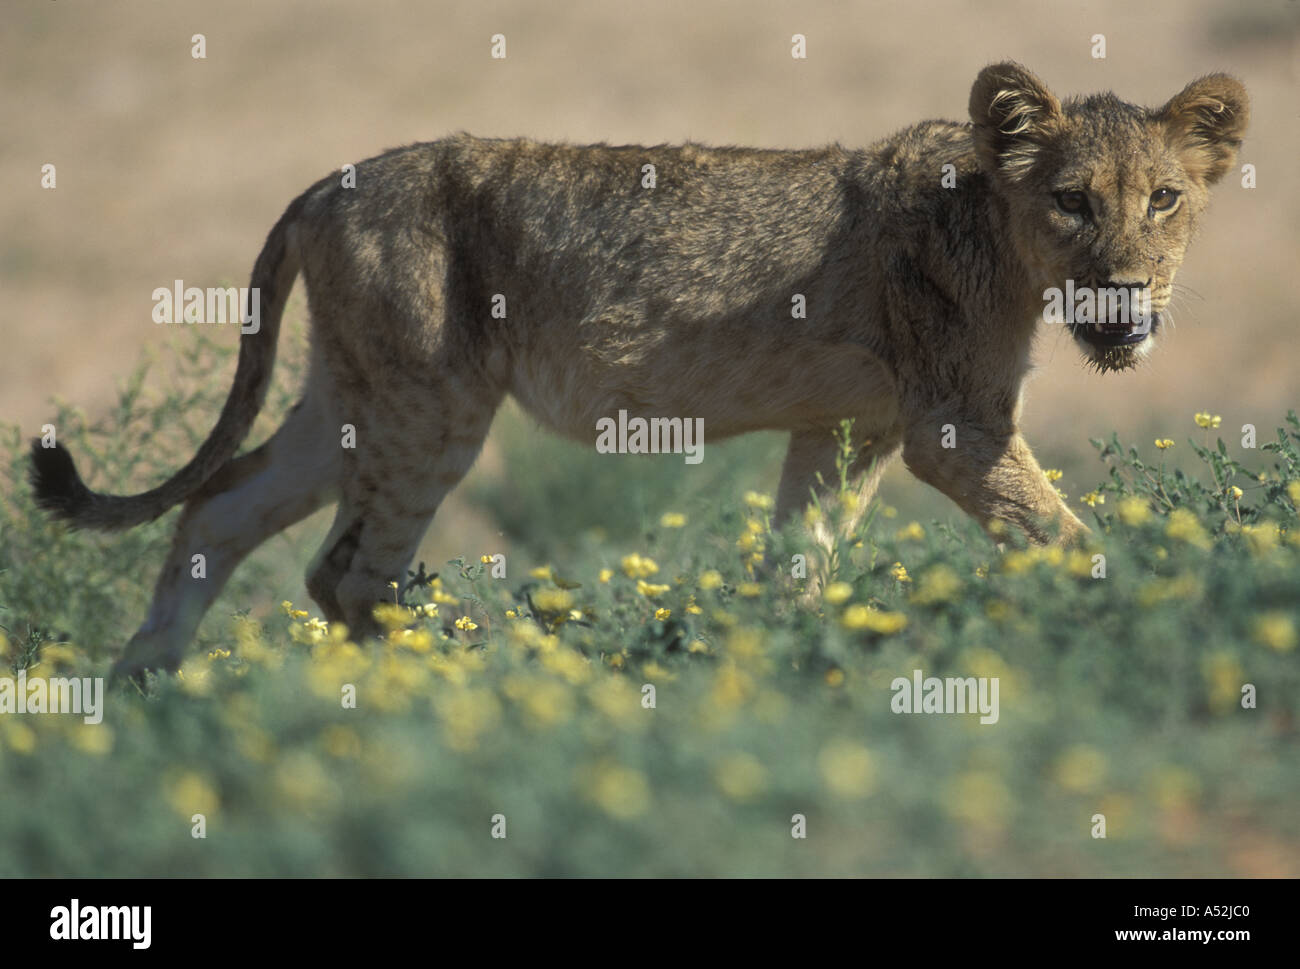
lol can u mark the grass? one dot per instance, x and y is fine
(522, 704)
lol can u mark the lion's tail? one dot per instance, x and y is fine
(59, 488)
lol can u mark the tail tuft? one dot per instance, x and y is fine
(59, 489)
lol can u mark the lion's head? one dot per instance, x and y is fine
(1103, 196)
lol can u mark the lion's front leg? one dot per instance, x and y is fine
(994, 478)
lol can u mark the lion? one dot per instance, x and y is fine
(589, 280)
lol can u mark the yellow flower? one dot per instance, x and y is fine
(834, 677)
(1134, 511)
(553, 600)
(749, 590)
(485, 559)
(755, 500)
(1052, 474)
(710, 580)
(1164, 443)
(605, 575)
(1093, 498)
(661, 614)
(672, 519)
(620, 791)
(511, 614)
(1293, 491)
(847, 769)
(650, 590)
(191, 793)
(466, 624)
(1080, 768)
(859, 616)
(837, 593)
(939, 584)
(899, 572)
(1235, 493)
(740, 776)
(1183, 525)
(913, 531)
(1262, 537)
(1276, 631)
(637, 567)
(1206, 420)
(542, 572)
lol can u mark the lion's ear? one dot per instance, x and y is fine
(1205, 122)
(1012, 111)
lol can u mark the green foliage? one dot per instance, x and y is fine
(526, 696)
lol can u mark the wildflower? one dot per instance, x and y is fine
(672, 519)
(1262, 537)
(692, 608)
(637, 567)
(485, 559)
(1293, 492)
(1134, 511)
(1183, 525)
(191, 793)
(1207, 420)
(1052, 474)
(511, 614)
(287, 608)
(847, 769)
(740, 776)
(939, 584)
(1164, 443)
(1093, 498)
(859, 616)
(650, 590)
(1275, 630)
(621, 792)
(662, 614)
(899, 572)
(553, 600)
(837, 593)
(980, 799)
(755, 500)
(913, 532)
(542, 572)
(605, 575)
(466, 624)
(1235, 493)
(749, 590)
(1080, 768)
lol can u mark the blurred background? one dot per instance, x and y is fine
(173, 167)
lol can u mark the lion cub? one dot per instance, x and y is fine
(462, 270)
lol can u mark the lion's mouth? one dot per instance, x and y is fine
(1108, 336)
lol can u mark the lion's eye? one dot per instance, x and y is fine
(1163, 199)
(1072, 203)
